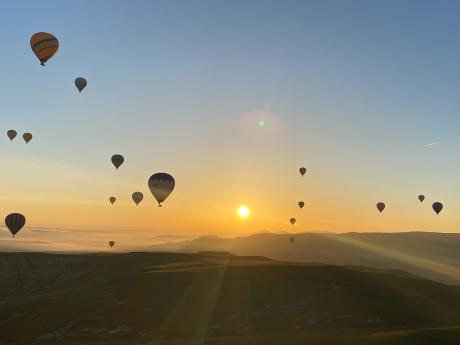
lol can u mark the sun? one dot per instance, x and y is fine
(243, 211)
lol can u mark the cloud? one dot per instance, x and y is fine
(431, 144)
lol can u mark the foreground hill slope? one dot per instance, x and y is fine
(216, 298)
(428, 254)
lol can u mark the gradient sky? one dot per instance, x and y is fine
(355, 91)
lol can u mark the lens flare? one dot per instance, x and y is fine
(260, 127)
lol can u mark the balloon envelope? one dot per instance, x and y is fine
(80, 83)
(111, 243)
(11, 134)
(437, 207)
(117, 160)
(380, 206)
(14, 222)
(137, 197)
(112, 199)
(44, 45)
(161, 185)
(27, 137)
(301, 204)
(302, 171)
(421, 197)
(292, 221)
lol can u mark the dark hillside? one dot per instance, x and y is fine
(214, 298)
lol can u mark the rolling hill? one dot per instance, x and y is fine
(428, 254)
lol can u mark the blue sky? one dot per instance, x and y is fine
(359, 89)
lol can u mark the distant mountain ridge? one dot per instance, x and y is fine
(429, 254)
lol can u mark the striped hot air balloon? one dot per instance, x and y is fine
(117, 160)
(27, 137)
(437, 207)
(14, 222)
(80, 83)
(161, 185)
(137, 197)
(44, 46)
(11, 134)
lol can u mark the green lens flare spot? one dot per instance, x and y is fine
(261, 123)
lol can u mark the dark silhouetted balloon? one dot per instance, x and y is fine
(112, 200)
(137, 197)
(380, 206)
(437, 207)
(80, 83)
(27, 137)
(292, 221)
(292, 239)
(302, 171)
(421, 197)
(117, 160)
(111, 243)
(44, 46)
(14, 222)
(301, 204)
(161, 185)
(11, 134)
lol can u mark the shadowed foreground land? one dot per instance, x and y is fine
(210, 298)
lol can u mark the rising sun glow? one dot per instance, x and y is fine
(243, 211)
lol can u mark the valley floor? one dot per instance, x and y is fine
(216, 299)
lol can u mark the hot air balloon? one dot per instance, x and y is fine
(117, 160)
(14, 222)
(421, 197)
(44, 46)
(302, 171)
(292, 239)
(292, 221)
(112, 200)
(380, 206)
(80, 83)
(301, 204)
(437, 207)
(137, 197)
(11, 134)
(111, 243)
(27, 137)
(161, 185)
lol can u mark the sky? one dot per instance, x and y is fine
(365, 95)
